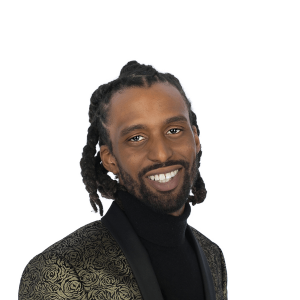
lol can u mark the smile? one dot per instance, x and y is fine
(162, 178)
(165, 179)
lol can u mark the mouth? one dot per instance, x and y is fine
(162, 178)
(165, 179)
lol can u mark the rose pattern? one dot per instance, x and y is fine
(89, 265)
(89, 277)
(74, 256)
(53, 296)
(73, 288)
(52, 272)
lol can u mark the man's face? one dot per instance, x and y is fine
(154, 145)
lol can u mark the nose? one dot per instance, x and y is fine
(159, 151)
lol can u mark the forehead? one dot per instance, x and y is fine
(146, 106)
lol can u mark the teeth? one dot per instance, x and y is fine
(163, 177)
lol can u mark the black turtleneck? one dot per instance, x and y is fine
(173, 258)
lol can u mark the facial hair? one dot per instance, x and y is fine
(161, 202)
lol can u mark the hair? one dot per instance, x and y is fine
(94, 174)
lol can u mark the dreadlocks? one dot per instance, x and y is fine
(94, 174)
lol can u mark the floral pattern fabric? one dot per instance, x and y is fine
(89, 265)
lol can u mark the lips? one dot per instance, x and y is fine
(169, 185)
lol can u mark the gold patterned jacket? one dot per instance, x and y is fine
(103, 260)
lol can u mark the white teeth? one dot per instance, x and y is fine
(161, 178)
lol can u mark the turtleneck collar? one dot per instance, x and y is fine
(161, 229)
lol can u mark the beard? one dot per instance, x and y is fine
(161, 202)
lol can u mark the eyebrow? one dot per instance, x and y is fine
(129, 129)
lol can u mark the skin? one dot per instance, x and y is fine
(155, 141)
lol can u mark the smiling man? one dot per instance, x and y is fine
(143, 247)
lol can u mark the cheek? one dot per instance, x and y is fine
(188, 149)
(130, 165)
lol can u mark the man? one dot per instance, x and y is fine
(142, 248)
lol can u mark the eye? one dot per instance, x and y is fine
(174, 131)
(137, 138)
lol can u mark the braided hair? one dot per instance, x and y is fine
(94, 174)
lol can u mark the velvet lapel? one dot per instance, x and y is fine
(204, 267)
(120, 228)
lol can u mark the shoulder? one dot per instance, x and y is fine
(89, 240)
(93, 232)
(76, 243)
(216, 261)
(59, 269)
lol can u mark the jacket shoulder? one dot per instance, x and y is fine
(51, 272)
(216, 262)
(92, 232)
(86, 264)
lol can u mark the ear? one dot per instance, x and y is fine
(108, 160)
(196, 137)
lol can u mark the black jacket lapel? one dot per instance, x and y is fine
(204, 267)
(117, 223)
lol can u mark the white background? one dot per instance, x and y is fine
(238, 62)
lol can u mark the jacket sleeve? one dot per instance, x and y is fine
(47, 276)
(224, 275)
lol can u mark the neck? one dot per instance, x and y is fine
(167, 230)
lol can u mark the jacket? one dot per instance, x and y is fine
(103, 260)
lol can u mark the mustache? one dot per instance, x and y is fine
(169, 163)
